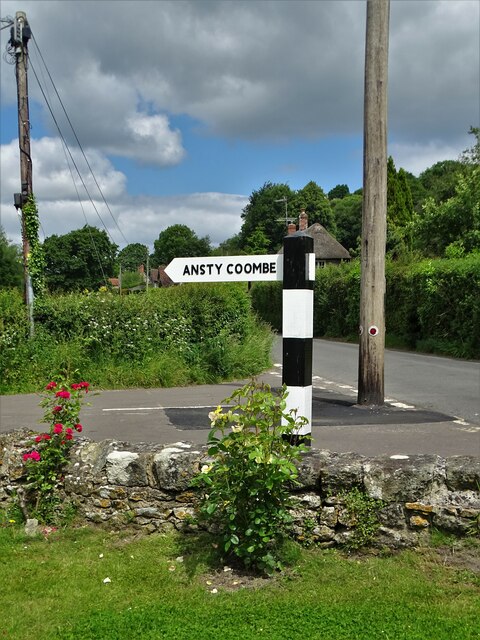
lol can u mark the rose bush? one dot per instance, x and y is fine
(46, 460)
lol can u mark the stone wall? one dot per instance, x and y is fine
(148, 486)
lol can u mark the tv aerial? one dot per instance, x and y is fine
(286, 220)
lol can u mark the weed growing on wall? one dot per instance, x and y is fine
(247, 484)
(363, 512)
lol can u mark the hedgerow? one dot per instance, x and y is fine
(180, 335)
(430, 305)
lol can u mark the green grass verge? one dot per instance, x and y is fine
(54, 588)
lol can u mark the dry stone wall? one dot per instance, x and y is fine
(148, 486)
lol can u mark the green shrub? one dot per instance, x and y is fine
(430, 305)
(246, 486)
(180, 335)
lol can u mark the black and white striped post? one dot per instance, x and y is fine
(297, 328)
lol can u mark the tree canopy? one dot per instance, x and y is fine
(178, 241)
(338, 192)
(452, 228)
(11, 269)
(81, 259)
(132, 256)
(312, 198)
(348, 215)
(265, 211)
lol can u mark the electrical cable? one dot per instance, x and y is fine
(77, 140)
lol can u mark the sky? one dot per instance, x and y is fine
(184, 108)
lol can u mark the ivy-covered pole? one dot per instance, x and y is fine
(32, 251)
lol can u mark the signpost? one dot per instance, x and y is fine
(226, 269)
(296, 268)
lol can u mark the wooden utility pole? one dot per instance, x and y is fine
(20, 35)
(374, 217)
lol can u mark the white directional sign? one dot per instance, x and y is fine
(226, 269)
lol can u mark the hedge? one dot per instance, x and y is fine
(179, 335)
(430, 305)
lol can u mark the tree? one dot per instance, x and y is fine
(81, 259)
(339, 192)
(417, 190)
(131, 279)
(178, 241)
(132, 256)
(348, 217)
(229, 247)
(471, 156)
(312, 198)
(440, 180)
(11, 270)
(400, 211)
(452, 227)
(264, 210)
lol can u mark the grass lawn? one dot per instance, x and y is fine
(168, 587)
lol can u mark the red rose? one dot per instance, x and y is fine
(78, 427)
(75, 386)
(69, 431)
(69, 436)
(63, 394)
(58, 428)
(51, 385)
(38, 438)
(46, 436)
(35, 456)
(57, 408)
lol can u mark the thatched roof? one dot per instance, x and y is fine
(325, 246)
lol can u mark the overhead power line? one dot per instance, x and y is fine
(49, 106)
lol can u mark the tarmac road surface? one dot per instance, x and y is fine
(181, 414)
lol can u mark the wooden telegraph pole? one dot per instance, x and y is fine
(374, 217)
(20, 35)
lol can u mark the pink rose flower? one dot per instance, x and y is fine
(58, 428)
(63, 394)
(33, 455)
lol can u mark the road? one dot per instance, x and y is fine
(432, 406)
(440, 384)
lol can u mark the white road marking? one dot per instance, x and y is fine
(195, 406)
(402, 405)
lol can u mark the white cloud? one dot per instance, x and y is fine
(138, 218)
(418, 157)
(253, 70)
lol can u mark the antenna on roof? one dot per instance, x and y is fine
(287, 220)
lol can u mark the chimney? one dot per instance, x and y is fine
(292, 228)
(302, 220)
